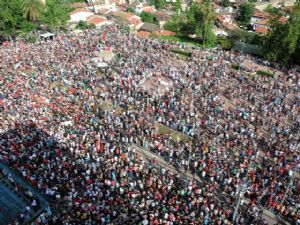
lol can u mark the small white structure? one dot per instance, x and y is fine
(99, 5)
(47, 36)
(80, 15)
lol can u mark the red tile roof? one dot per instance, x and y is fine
(164, 33)
(261, 30)
(143, 34)
(96, 19)
(127, 16)
(135, 21)
(148, 9)
(283, 19)
(79, 5)
(260, 14)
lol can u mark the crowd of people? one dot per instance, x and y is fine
(72, 130)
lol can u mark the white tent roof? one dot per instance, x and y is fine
(46, 35)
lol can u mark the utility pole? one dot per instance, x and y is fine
(289, 187)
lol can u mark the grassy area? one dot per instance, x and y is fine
(180, 52)
(182, 39)
(110, 106)
(176, 136)
(265, 73)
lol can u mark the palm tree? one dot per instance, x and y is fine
(32, 9)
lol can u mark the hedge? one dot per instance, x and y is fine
(178, 51)
(265, 73)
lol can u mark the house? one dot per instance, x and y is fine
(261, 30)
(143, 7)
(149, 27)
(226, 21)
(80, 15)
(225, 10)
(150, 9)
(98, 21)
(257, 16)
(260, 22)
(77, 5)
(98, 5)
(162, 18)
(104, 11)
(134, 21)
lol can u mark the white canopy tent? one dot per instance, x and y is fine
(47, 36)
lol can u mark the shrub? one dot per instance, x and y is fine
(265, 73)
(235, 66)
(225, 43)
(178, 51)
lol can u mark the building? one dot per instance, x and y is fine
(162, 18)
(99, 21)
(225, 21)
(80, 15)
(260, 22)
(149, 27)
(132, 20)
(258, 16)
(97, 5)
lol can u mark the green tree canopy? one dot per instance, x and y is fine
(148, 17)
(273, 11)
(177, 6)
(283, 41)
(32, 9)
(56, 13)
(202, 15)
(246, 12)
(175, 24)
(159, 4)
(225, 3)
(11, 18)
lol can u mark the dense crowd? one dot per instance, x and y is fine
(72, 130)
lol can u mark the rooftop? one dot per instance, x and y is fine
(261, 30)
(80, 11)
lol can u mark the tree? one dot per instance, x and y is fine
(148, 17)
(11, 19)
(82, 25)
(32, 9)
(175, 24)
(56, 13)
(202, 15)
(225, 3)
(283, 41)
(177, 6)
(159, 4)
(225, 43)
(273, 11)
(130, 9)
(246, 12)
